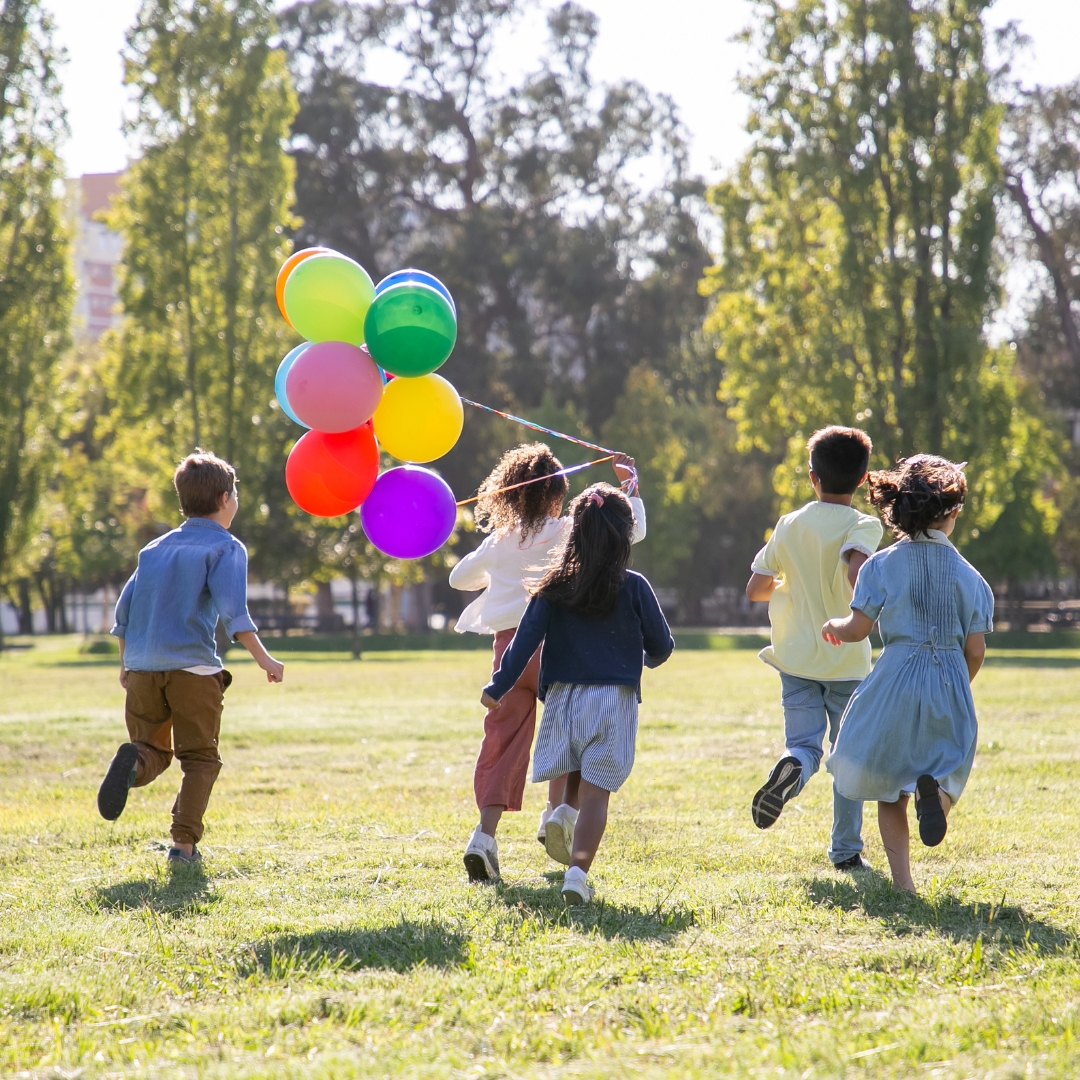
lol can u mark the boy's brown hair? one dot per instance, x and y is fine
(840, 457)
(200, 481)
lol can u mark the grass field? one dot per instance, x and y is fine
(331, 933)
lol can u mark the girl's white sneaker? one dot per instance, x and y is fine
(576, 888)
(559, 833)
(482, 858)
(541, 831)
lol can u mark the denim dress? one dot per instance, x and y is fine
(914, 714)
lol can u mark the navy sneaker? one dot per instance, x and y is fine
(782, 784)
(932, 823)
(176, 856)
(854, 864)
(113, 793)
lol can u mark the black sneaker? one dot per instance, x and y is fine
(113, 793)
(932, 823)
(854, 864)
(770, 799)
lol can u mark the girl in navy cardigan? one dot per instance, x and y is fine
(600, 624)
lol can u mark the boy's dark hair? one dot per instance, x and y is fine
(918, 492)
(590, 568)
(200, 481)
(528, 507)
(840, 457)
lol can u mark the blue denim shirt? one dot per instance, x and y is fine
(185, 580)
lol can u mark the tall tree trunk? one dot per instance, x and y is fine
(26, 610)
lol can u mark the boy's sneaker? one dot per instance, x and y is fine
(113, 793)
(576, 889)
(782, 784)
(541, 831)
(928, 809)
(177, 856)
(482, 858)
(854, 864)
(559, 833)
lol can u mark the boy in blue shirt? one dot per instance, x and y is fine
(184, 582)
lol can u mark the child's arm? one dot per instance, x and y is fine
(123, 670)
(854, 565)
(530, 632)
(471, 573)
(856, 627)
(120, 621)
(974, 654)
(760, 586)
(655, 633)
(275, 670)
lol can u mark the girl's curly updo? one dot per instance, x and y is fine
(526, 508)
(920, 491)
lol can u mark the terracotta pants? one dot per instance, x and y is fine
(176, 712)
(503, 764)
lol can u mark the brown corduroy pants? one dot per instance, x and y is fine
(178, 713)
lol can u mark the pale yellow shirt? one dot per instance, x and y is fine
(808, 552)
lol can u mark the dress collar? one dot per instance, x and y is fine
(931, 536)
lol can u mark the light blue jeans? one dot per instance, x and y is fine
(812, 710)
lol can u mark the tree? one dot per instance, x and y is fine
(204, 213)
(858, 268)
(35, 286)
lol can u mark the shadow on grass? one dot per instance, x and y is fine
(184, 890)
(396, 948)
(601, 917)
(1004, 924)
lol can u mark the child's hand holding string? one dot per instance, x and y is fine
(623, 464)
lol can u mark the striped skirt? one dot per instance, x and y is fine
(587, 729)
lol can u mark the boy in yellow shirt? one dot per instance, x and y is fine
(807, 572)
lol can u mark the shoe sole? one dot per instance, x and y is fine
(771, 796)
(932, 822)
(557, 843)
(572, 898)
(477, 869)
(113, 793)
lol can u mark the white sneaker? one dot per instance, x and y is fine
(576, 888)
(559, 833)
(541, 831)
(482, 858)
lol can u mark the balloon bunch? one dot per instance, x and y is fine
(365, 378)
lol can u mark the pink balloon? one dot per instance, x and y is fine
(334, 386)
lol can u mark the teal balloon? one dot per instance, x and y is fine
(279, 381)
(327, 298)
(410, 329)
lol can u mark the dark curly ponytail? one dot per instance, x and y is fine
(920, 491)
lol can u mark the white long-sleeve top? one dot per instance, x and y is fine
(504, 568)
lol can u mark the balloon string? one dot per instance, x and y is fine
(629, 485)
(537, 479)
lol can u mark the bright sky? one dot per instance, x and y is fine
(679, 47)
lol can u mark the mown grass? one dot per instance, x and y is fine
(330, 932)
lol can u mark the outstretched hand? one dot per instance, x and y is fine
(828, 632)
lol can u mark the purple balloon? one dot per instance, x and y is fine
(410, 512)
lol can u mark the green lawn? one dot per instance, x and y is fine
(331, 932)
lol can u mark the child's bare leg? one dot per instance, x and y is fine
(557, 791)
(570, 791)
(893, 825)
(946, 802)
(489, 818)
(591, 822)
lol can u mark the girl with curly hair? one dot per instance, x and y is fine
(519, 507)
(910, 727)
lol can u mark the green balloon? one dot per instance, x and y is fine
(410, 329)
(327, 298)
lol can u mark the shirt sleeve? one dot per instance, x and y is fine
(865, 535)
(472, 573)
(655, 632)
(123, 607)
(531, 632)
(870, 594)
(767, 560)
(638, 508)
(227, 582)
(982, 613)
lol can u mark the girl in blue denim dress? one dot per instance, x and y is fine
(910, 727)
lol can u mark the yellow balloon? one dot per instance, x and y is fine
(419, 419)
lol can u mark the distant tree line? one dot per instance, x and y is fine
(848, 269)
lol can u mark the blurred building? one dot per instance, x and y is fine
(97, 251)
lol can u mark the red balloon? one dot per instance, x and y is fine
(330, 474)
(336, 388)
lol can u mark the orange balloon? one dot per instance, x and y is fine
(286, 269)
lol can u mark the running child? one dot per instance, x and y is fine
(911, 727)
(599, 623)
(525, 527)
(807, 571)
(184, 582)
